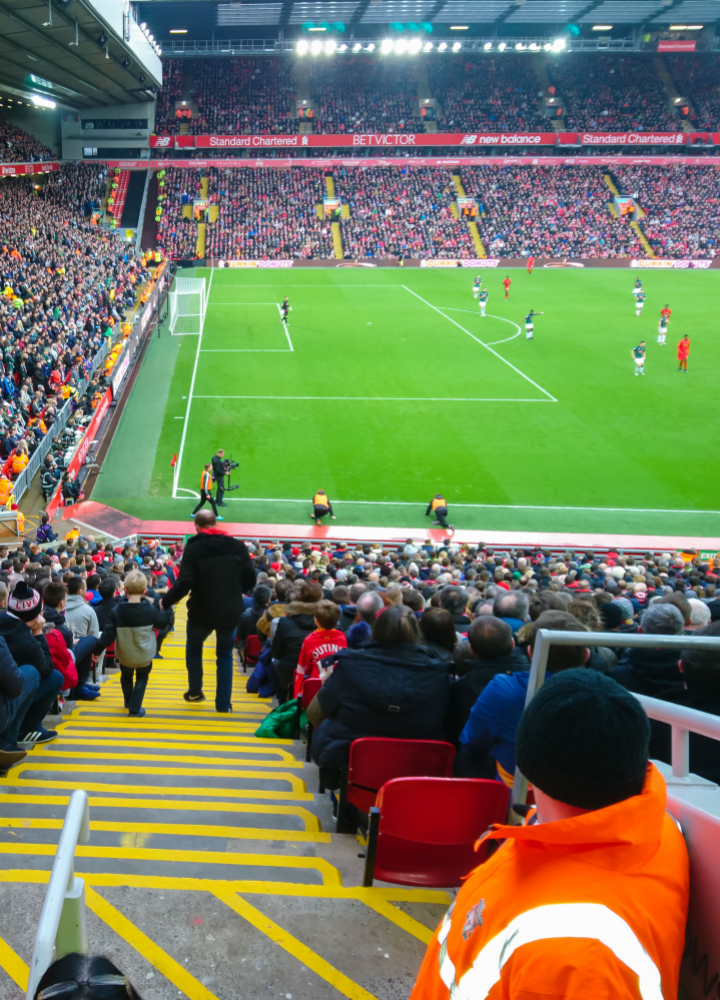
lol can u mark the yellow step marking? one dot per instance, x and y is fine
(86, 733)
(329, 874)
(294, 947)
(171, 829)
(398, 917)
(399, 894)
(248, 747)
(166, 758)
(134, 839)
(189, 790)
(312, 823)
(150, 951)
(131, 725)
(166, 772)
(13, 965)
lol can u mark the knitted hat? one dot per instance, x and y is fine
(611, 614)
(583, 740)
(25, 603)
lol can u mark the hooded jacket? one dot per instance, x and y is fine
(653, 672)
(290, 634)
(11, 680)
(466, 691)
(397, 690)
(131, 627)
(589, 907)
(80, 616)
(216, 571)
(26, 648)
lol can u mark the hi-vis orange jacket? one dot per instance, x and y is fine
(438, 502)
(206, 481)
(585, 908)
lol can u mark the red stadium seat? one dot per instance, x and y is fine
(374, 760)
(251, 653)
(429, 828)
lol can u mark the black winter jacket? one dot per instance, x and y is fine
(216, 571)
(102, 610)
(248, 623)
(396, 690)
(26, 648)
(131, 628)
(11, 680)
(290, 634)
(653, 672)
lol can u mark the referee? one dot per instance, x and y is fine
(206, 483)
(322, 507)
(218, 468)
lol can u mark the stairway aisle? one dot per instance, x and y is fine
(208, 874)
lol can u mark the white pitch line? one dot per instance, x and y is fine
(480, 506)
(482, 344)
(242, 303)
(186, 423)
(502, 319)
(393, 399)
(245, 350)
(285, 328)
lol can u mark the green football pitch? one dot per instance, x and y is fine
(390, 387)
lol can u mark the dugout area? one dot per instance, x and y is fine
(388, 386)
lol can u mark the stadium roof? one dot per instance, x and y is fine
(55, 50)
(203, 19)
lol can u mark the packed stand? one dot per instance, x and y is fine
(696, 78)
(64, 287)
(176, 234)
(681, 205)
(608, 93)
(401, 212)
(17, 145)
(165, 121)
(243, 97)
(268, 213)
(547, 212)
(486, 94)
(364, 95)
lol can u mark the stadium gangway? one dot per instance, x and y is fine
(61, 928)
(693, 801)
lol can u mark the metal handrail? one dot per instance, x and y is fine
(682, 720)
(61, 928)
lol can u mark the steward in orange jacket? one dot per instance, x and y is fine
(590, 902)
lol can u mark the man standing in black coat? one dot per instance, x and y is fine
(216, 571)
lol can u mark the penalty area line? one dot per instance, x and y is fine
(393, 399)
(482, 343)
(285, 327)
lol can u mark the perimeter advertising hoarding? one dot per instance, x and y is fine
(435, 161)
(678, 45)
(16, 169)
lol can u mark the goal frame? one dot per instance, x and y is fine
(188, 304)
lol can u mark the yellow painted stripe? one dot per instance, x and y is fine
(329, 874)
(165, 772)
(312, 823)
(294, 947)
(88, 734)
(153, 953)
(132, 725)
(245, 747)
(13, 965)
(163, 758)
(398, 917)
(173, 829)
(100, 786)
(398, 894)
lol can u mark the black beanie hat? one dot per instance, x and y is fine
(25, 603)
(583, 740)
(611, 614)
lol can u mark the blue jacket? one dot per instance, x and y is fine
(494, 720)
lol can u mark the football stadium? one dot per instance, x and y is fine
(358, 361)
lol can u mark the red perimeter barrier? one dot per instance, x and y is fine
(425, 161)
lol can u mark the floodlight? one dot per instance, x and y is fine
(428, 47)
(330, 46)
(519, 47)
(357, 47)
(414, 46)
(342, 48)
(501, 47)
(488, 46)
(558, 45)
(401, 46)
(316, 47)
(457, 46)
(370, 47)
(42, 102)
(387, 46)
(442, 46)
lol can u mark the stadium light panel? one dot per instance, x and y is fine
(558, 45)
(387, 46)
(519, 46)
(414, 46)
(42, 102)
(457, 46)
(330, 47)
(695, 27)
(442, 46)
(602, 27)
(302, 47)
(317, 28)
(316, 48)
(342, 48)
(370, 47)
(357, 47)
(488, 46)
(502, 46)
(143, 25)
(178, 31)
(428, 47)
(401, 46)
(534, 47)
(459, 27)
(678, 27)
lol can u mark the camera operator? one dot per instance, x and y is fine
(219, 470)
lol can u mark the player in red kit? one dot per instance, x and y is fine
(666, 313)
(683, 351)
(530, 264)
(506, 286)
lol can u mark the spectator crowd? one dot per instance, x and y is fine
(364, 95)
(696, 79)
(18, 146)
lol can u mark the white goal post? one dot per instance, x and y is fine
(188, 299)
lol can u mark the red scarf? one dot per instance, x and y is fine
(212, 531)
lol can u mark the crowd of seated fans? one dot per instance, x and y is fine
(682, 208)
(64, 286)
(696, 78)
(364, 95)
(176, 234)
(17, 145)
(487, 94)
(547, 211)
(454, 626)
(266, 213)
(401, 211)
(611, 92)
(243, 96)
(171, 92)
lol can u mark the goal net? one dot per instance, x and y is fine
(187, 306)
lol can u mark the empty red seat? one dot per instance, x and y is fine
(423, 830)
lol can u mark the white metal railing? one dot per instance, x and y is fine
(682, 720)
(61, 928)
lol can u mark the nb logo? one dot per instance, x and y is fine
(163, 140)
(468, 140)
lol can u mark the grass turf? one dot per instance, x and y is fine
(389, 396)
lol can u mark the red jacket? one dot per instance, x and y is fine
(321, 642)
(62, 660)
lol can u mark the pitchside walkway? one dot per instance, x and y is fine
(210, 872)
